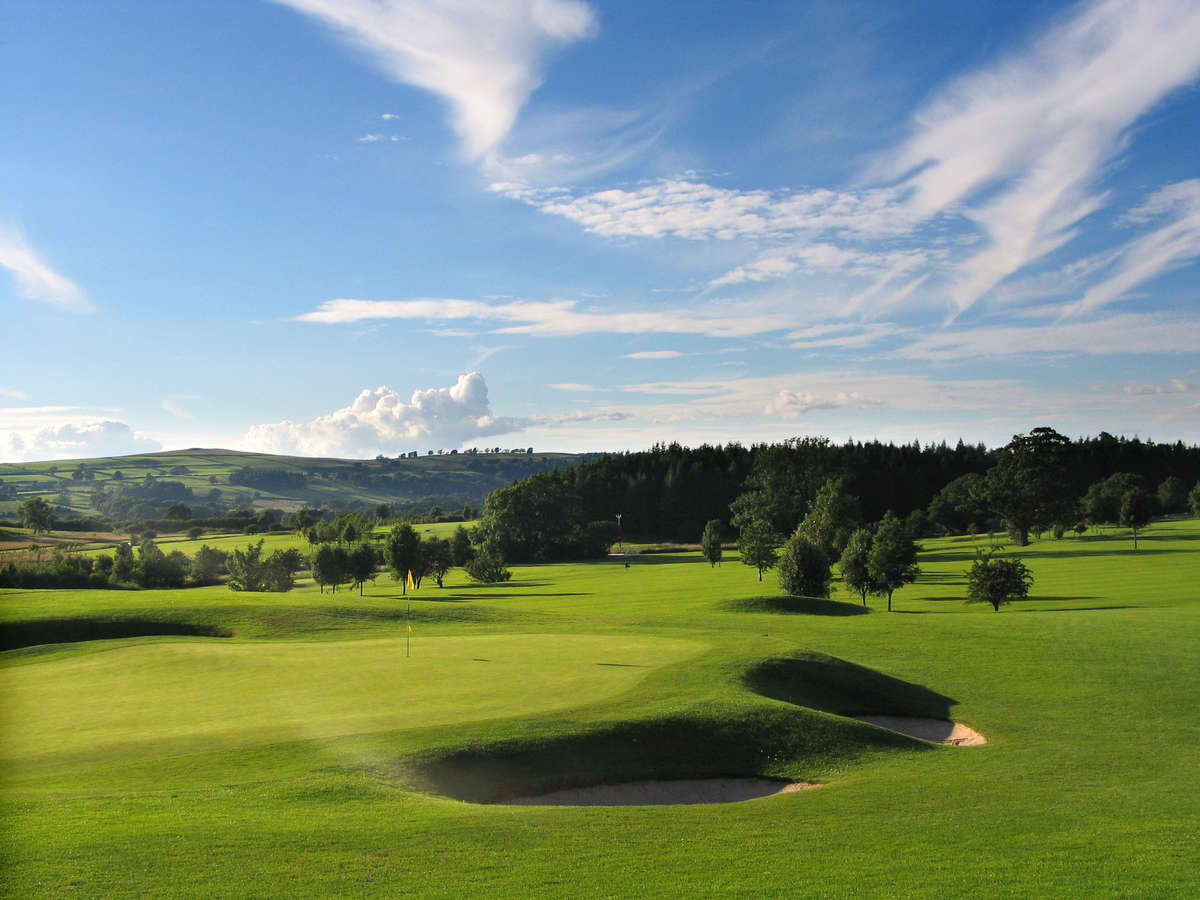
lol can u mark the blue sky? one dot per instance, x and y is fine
(345, 227)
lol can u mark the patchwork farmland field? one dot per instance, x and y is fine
(308, 744)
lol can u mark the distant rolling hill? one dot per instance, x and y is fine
(212, 481)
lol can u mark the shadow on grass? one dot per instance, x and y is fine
(658, 559)
(810, 606)
(949, 578)
(844, 688)
(454, 613)
(1075, 609)
(497, 595)
(33, 632)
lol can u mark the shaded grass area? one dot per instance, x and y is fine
(16, 635)
(837, 686)
(791, 605)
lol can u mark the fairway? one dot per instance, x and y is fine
(307, 755)
(234, 694)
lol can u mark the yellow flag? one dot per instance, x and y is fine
(410, 628)
(412, 584)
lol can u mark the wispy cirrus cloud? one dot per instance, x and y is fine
(35, 278)
(1018, 146)
(655, 354)
(694, 210)
(483, 59)
(1132, 333)
(1170, 245)
(1001, 168)
(560, 318)
(171, 405)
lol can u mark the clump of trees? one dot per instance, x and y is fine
(249, 571)
(541, 519)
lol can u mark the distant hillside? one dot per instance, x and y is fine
(210, 482)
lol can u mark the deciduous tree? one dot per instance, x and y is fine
(757, 546)
(1030, 485)
(402, 552)
(1171, 495)
(831, 518)
(329, 564)
(36, 515)
(439, 558)
(1135, 511)
(710, 542)
(804, 568)
(855, 573)
(997, 581)
(892, 561)
(361, 563)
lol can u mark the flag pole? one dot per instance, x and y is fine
(408, 623)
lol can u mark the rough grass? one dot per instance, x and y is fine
(307, 756)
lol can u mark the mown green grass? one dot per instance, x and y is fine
(307, 755)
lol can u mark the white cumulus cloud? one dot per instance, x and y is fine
(381, 421)
(75, 440)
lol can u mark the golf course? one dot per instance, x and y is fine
(208, 742)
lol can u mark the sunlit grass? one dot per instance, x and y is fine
(306, 755)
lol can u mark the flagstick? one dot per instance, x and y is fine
(408, 632)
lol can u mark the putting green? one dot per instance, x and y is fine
(225, 694)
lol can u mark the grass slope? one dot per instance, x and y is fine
(307, 755)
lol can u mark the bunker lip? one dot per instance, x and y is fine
(937, 731)
(686, 791)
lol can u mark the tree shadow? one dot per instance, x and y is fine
(1074, 609)
(787, 605)
(657, 559)
(844, 688)
(1032, 553)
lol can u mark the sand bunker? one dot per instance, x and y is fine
(664, 793)
(939, 731)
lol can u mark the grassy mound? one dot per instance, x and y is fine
(790, 605)
(710, 743)
(837, 686)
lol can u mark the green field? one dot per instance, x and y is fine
(313, 750)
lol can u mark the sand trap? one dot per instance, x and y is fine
(664, 793)
(939, 731)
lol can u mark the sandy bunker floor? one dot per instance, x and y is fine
(939, 731)
(663, 793)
